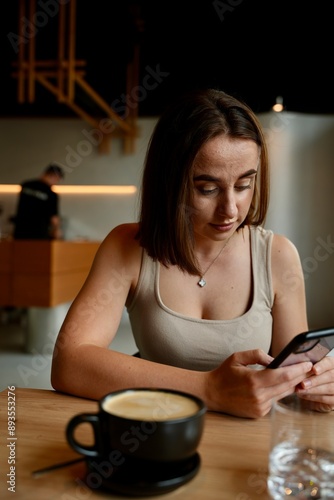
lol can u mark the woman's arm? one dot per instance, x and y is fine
(289, 309)
(290, 318)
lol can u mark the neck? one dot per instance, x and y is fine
(202, 281)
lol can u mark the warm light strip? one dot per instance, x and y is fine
(61, 189)
(16, 188)
(10, 188)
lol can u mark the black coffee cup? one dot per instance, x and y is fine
(146, 423)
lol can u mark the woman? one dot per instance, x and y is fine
(209, 292)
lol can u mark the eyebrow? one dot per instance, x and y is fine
(206, 177)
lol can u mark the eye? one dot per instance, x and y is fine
(244, 186)
(246, 183)
(207, 189)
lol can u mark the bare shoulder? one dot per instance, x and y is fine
(284, 251)
(286, 265)
(124, 234)
(120, 248)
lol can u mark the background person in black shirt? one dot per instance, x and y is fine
(37, 214)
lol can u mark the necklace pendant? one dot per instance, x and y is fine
(201, 282)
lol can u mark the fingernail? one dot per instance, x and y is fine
(306, 383)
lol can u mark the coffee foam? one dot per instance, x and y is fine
(150, 405)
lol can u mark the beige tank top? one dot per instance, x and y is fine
(167, 337)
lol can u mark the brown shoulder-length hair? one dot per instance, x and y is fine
(165, 227)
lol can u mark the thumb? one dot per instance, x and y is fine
(253, 357)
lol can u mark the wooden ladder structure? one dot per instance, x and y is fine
(61, 76)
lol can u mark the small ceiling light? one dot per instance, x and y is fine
(278, 106)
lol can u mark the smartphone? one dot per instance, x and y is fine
(308, 346)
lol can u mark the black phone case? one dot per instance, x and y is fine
(321, 342)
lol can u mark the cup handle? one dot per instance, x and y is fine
(92, 419)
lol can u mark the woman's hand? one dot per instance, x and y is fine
(318, 389)
(238, 389)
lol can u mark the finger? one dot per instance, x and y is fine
(292, 374)
(280, 394)
(325, 364)
(318, 403)
(281, 382)
(323, 383)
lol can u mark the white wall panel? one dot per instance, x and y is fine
(301, 150)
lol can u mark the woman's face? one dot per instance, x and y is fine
(224, 177)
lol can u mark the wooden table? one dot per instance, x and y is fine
(233, 453)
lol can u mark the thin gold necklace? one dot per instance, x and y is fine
(201, 282)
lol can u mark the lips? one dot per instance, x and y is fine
(223, 227)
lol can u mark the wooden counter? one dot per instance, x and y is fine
(38, 273)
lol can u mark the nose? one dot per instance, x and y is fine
(227, 205)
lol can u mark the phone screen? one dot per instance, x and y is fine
(310, 349)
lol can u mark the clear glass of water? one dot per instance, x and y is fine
(301, 458)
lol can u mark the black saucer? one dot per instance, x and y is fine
(140, 478)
